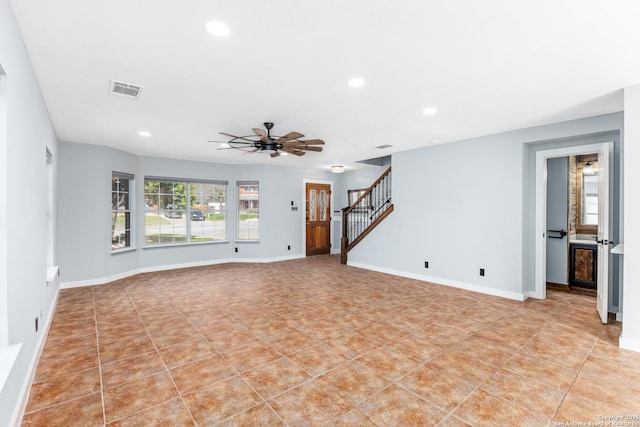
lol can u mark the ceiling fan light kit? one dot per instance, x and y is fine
(262, 141)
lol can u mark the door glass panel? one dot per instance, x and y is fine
(312, 205)
(323, 205)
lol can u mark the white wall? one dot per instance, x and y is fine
(85, 184)
(469, 205)
(631, 311)
(24, 290)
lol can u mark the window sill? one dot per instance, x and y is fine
(175, 245)
(121, 251)
(8, 357)
(247, 241)
(52, 272)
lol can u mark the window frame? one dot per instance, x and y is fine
(240, 210)
(186, 210)
(130, 240)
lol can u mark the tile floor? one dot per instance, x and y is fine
(312, 342)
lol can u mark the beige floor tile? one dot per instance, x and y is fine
(319, 359)
(314, 338)
(353, 382)
(485, 409)
(127, 399)
(221, 400)
(311, 403)
(171, 413)
(201, 373)
(395, 406)
(275, 377)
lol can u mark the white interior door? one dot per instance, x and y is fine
(603, 232)
(557, 201)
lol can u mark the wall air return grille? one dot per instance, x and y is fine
(126, 90)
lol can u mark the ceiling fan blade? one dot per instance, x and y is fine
(314, 142)
(293, 151)
(289, 137)
(276, 154)
(300, 146)
(262, 134)
(237, 137)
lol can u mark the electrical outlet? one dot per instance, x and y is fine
(236, 250)
(426, 264)
(482, 271)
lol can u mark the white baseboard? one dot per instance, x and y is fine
(446, 282)
(629, 343)
(108, 279)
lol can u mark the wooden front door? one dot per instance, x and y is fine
(318, 214)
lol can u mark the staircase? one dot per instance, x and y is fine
(365, 214)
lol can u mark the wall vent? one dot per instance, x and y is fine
(126, 90)
(382, 147)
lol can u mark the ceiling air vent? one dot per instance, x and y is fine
(127, 90)
(382, 147)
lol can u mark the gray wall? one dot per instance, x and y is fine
(24, 291)
(85, 223)
(470, 204)
(557, 218)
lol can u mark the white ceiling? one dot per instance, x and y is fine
(488, 66)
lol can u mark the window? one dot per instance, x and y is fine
(184, 211)
(248, 210)
(121, 210)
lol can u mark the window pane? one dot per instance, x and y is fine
(120, 212)
(182, 212)
(248, 211)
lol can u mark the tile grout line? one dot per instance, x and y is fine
(95, 318)
(168, 371)
(574, 380)
(232, 367)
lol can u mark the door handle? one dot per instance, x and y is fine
(603, 242)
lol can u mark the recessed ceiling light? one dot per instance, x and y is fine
(337, 168)
(144, 134)
(433, 141)
(217, 28)
(225, 145)
(282, 153)
(429, 111)
(355, 82)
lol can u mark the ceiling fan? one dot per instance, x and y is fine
(273, 145)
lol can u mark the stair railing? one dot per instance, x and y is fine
(365, 213)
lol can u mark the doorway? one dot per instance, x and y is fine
(317, 218)
(605, 152)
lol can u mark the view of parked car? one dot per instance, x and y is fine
(197, 215)
(173, 214)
